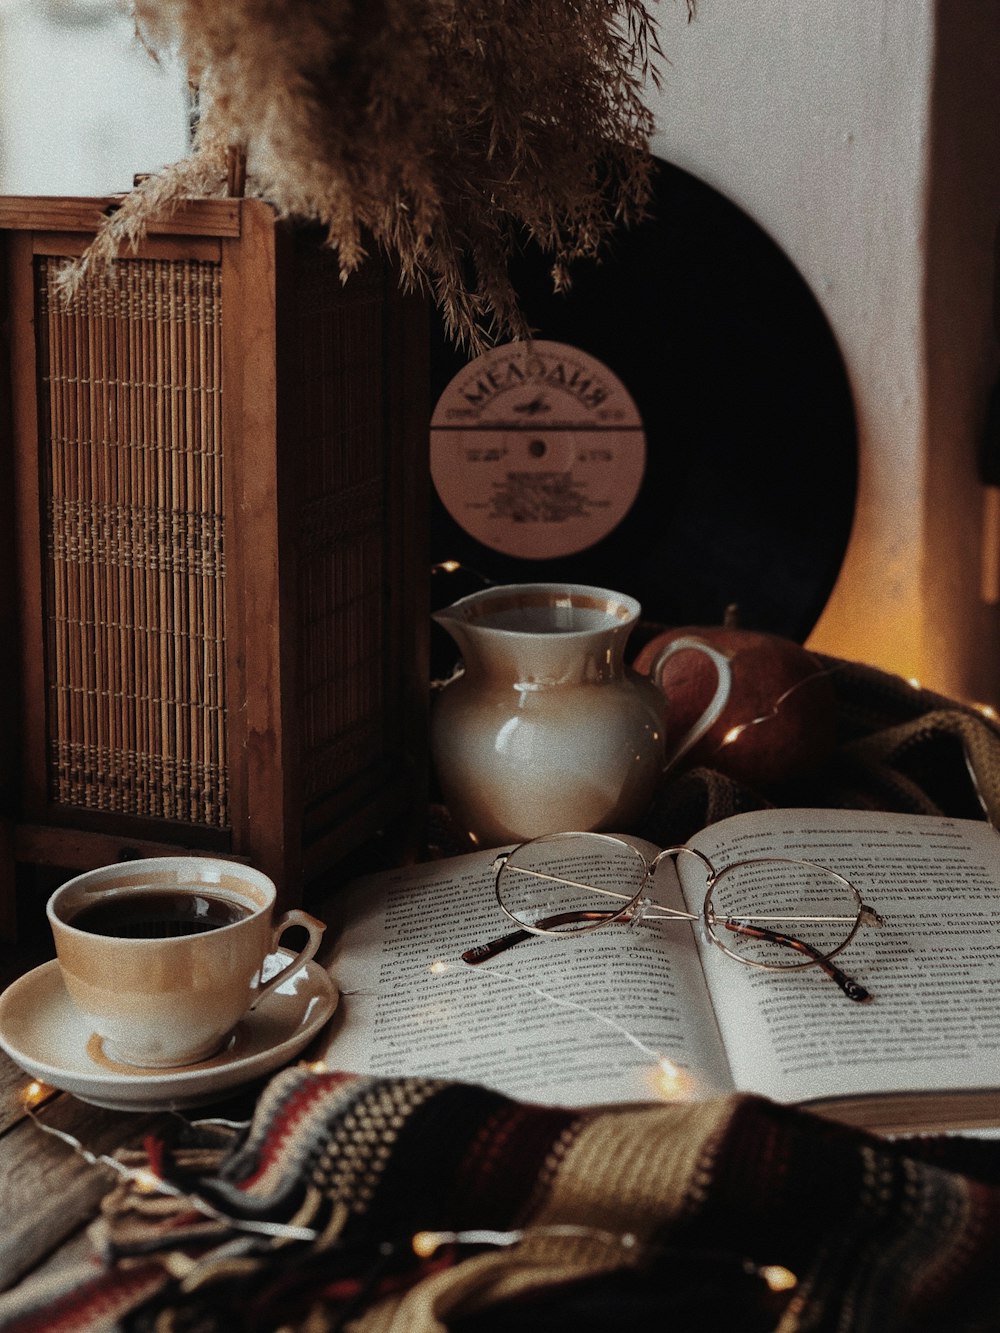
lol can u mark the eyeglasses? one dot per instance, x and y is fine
(555, 885)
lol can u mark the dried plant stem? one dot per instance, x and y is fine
(448, 133)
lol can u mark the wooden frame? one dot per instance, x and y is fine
(321, 564)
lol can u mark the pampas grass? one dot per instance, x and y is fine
(445, 132)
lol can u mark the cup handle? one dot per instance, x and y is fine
(718, 701)
(308, 950)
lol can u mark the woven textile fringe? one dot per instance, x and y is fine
(880, 1236)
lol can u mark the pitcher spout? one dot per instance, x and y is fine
(446, 617)
(451, 620)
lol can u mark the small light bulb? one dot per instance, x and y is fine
(915, 683)
(986, 709)
(426, 1243)
(670, 1080)
(35, 1092)
(146, 1181)
(317, 1067)
(779, 1278)
(438, 966)
(731, 735)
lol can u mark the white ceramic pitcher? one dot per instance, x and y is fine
(546, 729)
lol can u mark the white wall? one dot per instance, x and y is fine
(82, 106)
(865, 138)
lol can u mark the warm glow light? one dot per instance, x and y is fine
(35, 1092)
(986, 710)
(317, 1067)
(426, 1243)
(449, 566)
(915, 683)
(670, 1080)
(146, 1181)
(731, 735)
(779, 1278)
(438, 966)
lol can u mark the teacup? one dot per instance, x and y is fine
(165, 955)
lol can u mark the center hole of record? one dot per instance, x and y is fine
(537, 448)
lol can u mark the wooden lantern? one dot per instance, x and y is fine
(217, 574)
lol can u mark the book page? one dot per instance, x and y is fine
(546, 1021)
(933, 968)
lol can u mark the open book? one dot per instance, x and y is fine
(638, 1013)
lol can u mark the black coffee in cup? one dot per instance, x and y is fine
(154, 914)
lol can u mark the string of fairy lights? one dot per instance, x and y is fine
(672, 1082)
(424, 1244)
(735, 732)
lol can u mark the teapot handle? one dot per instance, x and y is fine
(718, 700)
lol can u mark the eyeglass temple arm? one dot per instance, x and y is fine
(852, 989)
(482, 953)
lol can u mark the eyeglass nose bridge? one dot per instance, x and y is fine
(675, 853)
(639, 909)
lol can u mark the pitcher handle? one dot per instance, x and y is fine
(293, 918)
(718, 701)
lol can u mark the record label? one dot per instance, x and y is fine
(537, 450)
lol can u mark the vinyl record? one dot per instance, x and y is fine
(742, 403)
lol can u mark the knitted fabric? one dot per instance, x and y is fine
(891, 1237)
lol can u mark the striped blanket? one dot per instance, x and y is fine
(412, 1205)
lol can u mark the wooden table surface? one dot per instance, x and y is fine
(49, 1192)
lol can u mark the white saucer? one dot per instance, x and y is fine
(43, 1032)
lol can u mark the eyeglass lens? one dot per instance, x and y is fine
(761, 911)
(570, 883)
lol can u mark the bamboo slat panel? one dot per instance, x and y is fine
(130, 434)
